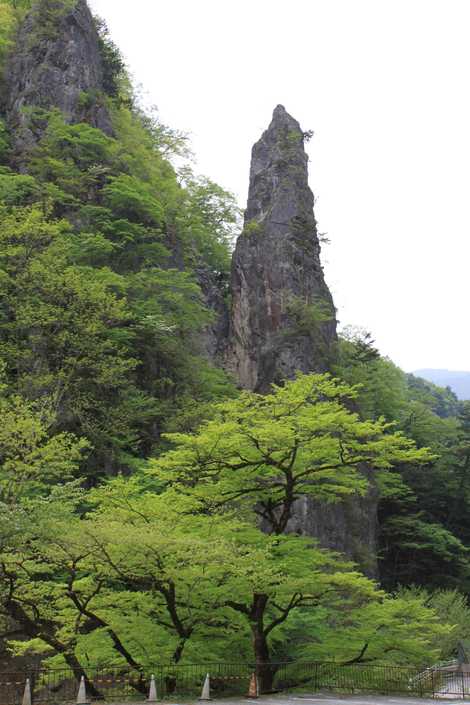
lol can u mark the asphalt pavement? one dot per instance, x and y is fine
(327, 699)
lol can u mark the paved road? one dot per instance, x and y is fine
(320, 699)
(328, 699)
(364, 700)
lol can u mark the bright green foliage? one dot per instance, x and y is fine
(128, 197)
(175, 565)
(64, 331)
(45, 582)
(95, 315)
(260, 454)
(269, 450)
(253, 227)
(18, 189)
(68, 332)
(400, 629)
(453, 608)
(74, 159)
(126, 190)
(144, 571)
(104, 243)
(212, 216)
(31, 458)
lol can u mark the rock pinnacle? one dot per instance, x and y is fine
(283, 317)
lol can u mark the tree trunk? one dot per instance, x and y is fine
(78, 671)
(170, 680)
(264, 669)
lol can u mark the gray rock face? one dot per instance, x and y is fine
(283, 317)
(215, 335)
(349, 527)
(56, 64)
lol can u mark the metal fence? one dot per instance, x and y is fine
(232, 679)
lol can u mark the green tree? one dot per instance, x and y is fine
(382, 389)
(262, 453)
(31, 458)
(404, 629)
(49, 584)
(268, 451)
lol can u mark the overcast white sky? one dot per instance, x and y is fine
(385, 86)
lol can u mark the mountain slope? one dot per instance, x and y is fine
(458, 381)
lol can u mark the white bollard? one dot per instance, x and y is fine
(152, 698)
(27, 693)
(82, 696)
(206, 689)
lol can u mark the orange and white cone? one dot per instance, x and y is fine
(253, 690)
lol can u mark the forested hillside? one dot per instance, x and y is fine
(149, 505)
(459, 382)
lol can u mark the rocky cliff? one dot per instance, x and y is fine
(283, 318)
(57, 64)
(349, 527)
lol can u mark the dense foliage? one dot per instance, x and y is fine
(423, 516)
(135, 479)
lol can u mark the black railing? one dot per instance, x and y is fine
(51, 686)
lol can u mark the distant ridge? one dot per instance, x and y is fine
(459, 382)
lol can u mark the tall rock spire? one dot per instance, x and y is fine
(283, 317)
(57, 63)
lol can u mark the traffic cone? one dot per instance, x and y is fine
(82, 696)
(206, 689)
(27, 693)
(152, 698)
(253, 691)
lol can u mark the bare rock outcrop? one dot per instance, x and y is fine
(283, 317)
(56, 64)
(349, 526)
(215, 335)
